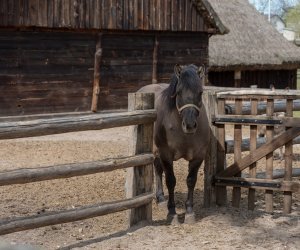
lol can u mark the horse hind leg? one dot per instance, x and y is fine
(191, 183)
(160, 198)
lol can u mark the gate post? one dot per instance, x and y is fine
(215, 157)
(140, 179)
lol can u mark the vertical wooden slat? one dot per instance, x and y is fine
(221, 192)
(97, 64)
(146, 15)
(140, 179)
(269, 157)
(42, 13)
(288, 156)
(174, 15)
(155, 60)
(236, 192)
(157, 11)
(131, 15)
(50, 13)
(237, 78)
(33, 12)
(140, 14)
(125, 14)
(97, 15)
(135, 14)
(120, 13)
(253, 142)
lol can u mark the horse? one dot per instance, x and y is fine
(181, 130)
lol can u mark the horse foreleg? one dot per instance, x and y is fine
(158, 180)
(171, 183)
(191, 183)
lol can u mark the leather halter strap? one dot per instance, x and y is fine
(188, 106)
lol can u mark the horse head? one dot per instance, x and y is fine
(188, 94)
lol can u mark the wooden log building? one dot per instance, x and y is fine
(253, 52)
(54, 53)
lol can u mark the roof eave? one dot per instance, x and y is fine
(211, 17)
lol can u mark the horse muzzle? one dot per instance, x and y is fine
(189, 127)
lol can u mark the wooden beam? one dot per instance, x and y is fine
(262, 184)
(277, 174)
(260, 93)
(279, 106)
(12, 130)
(229, 144)
(47, 219)
(97, 70)
(261, 152)
(237, 78)
(28, 175)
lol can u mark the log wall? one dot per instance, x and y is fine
(44, 72)
(51, 71)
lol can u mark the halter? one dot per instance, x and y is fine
(187, 106)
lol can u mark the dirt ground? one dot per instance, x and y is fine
(215, 228)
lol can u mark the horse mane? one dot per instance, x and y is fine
(169, 94)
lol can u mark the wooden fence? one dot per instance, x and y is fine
(219, 176)
(139, 190)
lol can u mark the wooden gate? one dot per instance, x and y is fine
(219, 176)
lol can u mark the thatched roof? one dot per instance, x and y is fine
(252, 42)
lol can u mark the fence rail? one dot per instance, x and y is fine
(139, 193)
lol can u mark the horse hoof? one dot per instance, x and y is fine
(173, 219)
(190, 218)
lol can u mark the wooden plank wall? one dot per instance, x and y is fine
(127, 62)
(43, 72)
(172, 15)
(181, 49)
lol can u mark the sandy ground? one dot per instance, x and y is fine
(215, 228)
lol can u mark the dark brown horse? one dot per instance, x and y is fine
(181, 131)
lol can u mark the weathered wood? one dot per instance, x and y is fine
(288, 157)
(221, 192)
(155, 61)
(261, 152)
(249, 120)
(236, 192)
(25, 223)
(269, 157)
(97, 70)
(261, 93)
(28, 175)
(11, 130)
(140, 180)
(277, 174)
(279, 106)
(229, 144)
(287, 186)
(237, 78)
(253, 145)
(210, 163)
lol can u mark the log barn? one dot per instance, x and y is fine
(253, 52)
(74, 55)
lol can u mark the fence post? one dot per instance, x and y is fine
(140, 179)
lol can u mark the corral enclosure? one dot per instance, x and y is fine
(48, 50)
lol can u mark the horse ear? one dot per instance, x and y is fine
(201, 71)
(177, 70)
